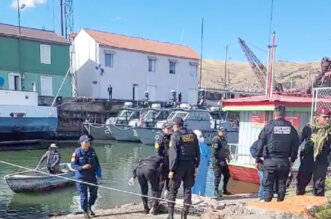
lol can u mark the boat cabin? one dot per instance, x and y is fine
(254, 114)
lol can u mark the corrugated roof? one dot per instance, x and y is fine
(275, 98)
(142, 45)
(32, 33)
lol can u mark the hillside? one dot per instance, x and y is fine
(241, 76)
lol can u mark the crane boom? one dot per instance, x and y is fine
(258, 68)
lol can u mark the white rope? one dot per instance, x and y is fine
(101, 186)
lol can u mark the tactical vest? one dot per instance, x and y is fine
(279, 142)
(187, 148)
(221, 149)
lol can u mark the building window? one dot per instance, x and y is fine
(45, 54)
(109, 60)
(172, 67)
(151, 64)
(193, 70)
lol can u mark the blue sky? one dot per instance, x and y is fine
(303, 30)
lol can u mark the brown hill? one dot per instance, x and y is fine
(241, 76)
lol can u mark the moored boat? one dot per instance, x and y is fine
(35, 181)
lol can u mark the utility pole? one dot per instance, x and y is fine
(225, 70)
(62, 9)
(200, 82)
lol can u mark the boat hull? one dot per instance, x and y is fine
(123, 133)
(147, 135)
(98, 131)
(31, 181)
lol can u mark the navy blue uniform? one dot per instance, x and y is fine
(278, 142)
(161, 149)
(79, 159)
(309, 167)
(148, 170)
(184, 157)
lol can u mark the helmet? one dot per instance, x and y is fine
(323, 111)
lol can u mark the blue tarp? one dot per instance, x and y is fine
(199, 187)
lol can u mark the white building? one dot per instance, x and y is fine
(132, 66)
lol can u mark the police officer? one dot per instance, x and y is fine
(86, 162)
(162, 141)
(314, 156)
(148, 170)
(221, 154)
(184, 157)
(53, 159)
(277, 142)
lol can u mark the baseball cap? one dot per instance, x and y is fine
(222, 129)
(323, 111)
(53, 145)
(178, 121)
(84, 138)
(166, 125)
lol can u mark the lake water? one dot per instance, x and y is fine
(117, 160)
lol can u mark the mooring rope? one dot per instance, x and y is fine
(104, 187)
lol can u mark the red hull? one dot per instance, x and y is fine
(244, 173)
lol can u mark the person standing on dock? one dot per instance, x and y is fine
(220, 156)
(86, 162)
(278, 141)
(110, 92)
(53, 159)
(148, 171)
(162, 141)
(184, 158)
(314, 156)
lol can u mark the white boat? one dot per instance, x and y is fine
(21, 118)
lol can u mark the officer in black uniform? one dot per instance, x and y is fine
(184, 158)
(162, 141)
(278, 142)
(314, 156)
(221, 154)
(86, 163)
(148, 170)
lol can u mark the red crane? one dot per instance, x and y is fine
(258, 68)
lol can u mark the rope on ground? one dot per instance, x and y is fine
(103, 187)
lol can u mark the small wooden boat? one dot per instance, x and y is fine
(35, 181)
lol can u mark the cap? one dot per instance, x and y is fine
(323, 111)
(166, 125)
(222, 129)
(178, 121)
(53, 145)
(84, 138)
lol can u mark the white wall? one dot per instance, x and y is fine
(21, 98)
(131, 68)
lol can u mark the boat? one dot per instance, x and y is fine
(193, 119)
(35, 181)
(21, 118)
(98, 131)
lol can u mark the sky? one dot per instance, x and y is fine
(303, 30)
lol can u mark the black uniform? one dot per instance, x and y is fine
(221, 152)
(278, 142)
(184, 157)
(309, 167)
(148, 170)
(162, 148)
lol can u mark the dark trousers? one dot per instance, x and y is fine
(185, 172)
(316, 169)
(164, 180)
(221, 168)
(83, 192)
(145, 175)
(275, 171)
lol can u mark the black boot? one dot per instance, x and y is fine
(155, 209)
(146, 209)
(86, 215)
(184, 213)
(90, 211)
(217, 193)
(171, 211)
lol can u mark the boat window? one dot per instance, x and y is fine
(180, 114)
(171, 116)
(162, 115)
(18, 115)
(151, 114)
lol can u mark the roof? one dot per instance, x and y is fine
(262, 103)
(142, 45)
(32, 33)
